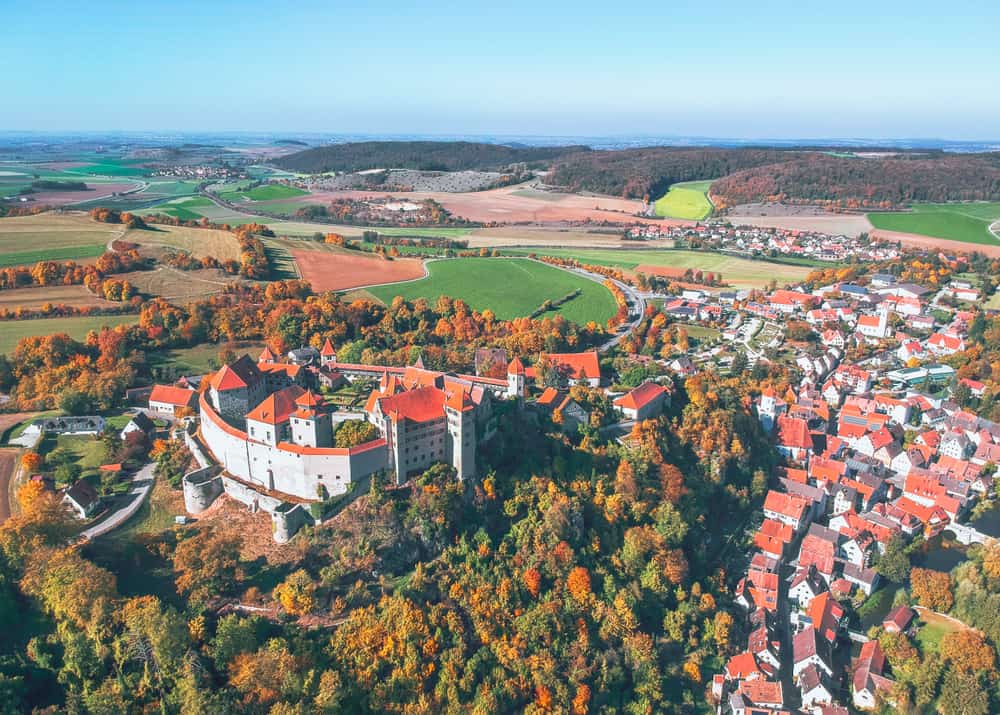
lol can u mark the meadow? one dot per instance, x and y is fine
(511, 288)
(36, 297)
(687, 200)
(76, 327)
(968, 222)
(199, 242)
(738, 272)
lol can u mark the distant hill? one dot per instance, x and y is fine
(896, 180)
(635, 173)
(421, 155)
(797, 174)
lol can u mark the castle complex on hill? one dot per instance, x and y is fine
(271, 433)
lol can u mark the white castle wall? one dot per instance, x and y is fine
(288, 468)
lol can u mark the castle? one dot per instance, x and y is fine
(273, 435)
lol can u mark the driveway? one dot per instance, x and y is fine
(142, 484)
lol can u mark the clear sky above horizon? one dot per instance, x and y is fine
(727, 69)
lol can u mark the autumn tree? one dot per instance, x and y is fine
(205, 565)
(932, 589)
(297, 593)
(968, 651)
(578, 583)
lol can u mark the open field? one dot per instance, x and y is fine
(968, 223)
(342, 269)
(488, 283)
(512, 204)
(267, 192)
(687, 200)
(77, 296)
(937, 244)
(199, 242)
(549, 236)
(835, 224)
(53, 236)
(738, 272)
(177, 285)
(76, 327)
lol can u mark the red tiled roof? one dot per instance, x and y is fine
(741, 666)
(577, 364)
(516, 367)
(241, 373)
(641, 396)
(177, 396)
(423, 404)
(794, 433)
(327, 349)
(789, 505)
(276, 408)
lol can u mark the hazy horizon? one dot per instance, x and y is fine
(556, 69)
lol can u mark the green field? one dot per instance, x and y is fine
(267, 192)
(110, 168)
(76, 327)
(510, 288)
(198, 359)
(955, 222)
(64, 253)
(739, 272)
(687, 200)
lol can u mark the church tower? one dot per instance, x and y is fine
(515, 379)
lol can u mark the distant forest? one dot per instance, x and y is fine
(636, 173)
(892, 181)
(420, 155)
(749, 175)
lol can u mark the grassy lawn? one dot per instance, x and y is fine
(956, 222)
(76, 327)
(994, 302)
(702, 332)
(739, 272)
(687, 200)
(88, 451)
(932, 629)
(510, 288)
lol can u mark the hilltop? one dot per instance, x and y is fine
(422, 155)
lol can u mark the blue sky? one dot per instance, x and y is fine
(726, 69)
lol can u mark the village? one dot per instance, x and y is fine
(879, 445)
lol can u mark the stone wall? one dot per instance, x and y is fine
(201, 487)
(287, 519)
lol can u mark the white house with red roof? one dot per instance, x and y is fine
(168, 400)
(644, 402)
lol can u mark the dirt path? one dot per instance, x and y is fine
(8, 464)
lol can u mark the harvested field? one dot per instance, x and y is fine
(174, 284)
(53, 236)
(490, 283)
(199, 242)
(512, 204)
(77, 296)
(550, 236)
(341, 270)
(836, 224)
(942, 244)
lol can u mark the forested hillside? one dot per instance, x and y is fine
(421, 155)
(896, 180)
(635, 173)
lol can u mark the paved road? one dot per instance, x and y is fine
(637, 298)
(142, 484)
